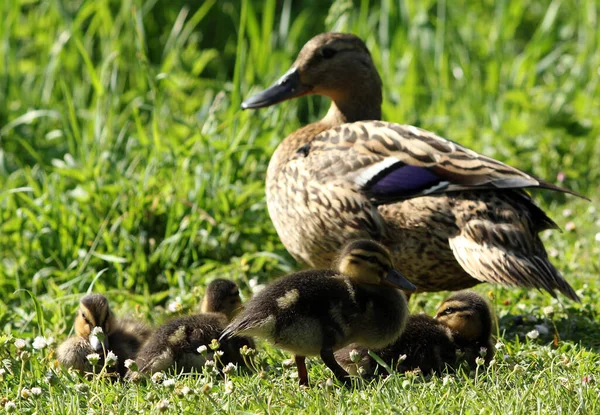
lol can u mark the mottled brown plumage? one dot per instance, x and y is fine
(318, 311)
(451, 217)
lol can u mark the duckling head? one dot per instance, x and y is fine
(336, 65)
(368, 262)
(93, 312)
(468, 315)
(222, 296)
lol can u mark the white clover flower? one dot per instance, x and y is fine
(548, 310)
(163, 405)
(570, 226)
(229, 388)
(131, 365)
(111, 359)
(354, 356)
(93, 358)
(401, 358)
(169, 383)
(2, 373)
(10, 406)
(597, 237)
(230, 367)
(214, 344)
(40, 343)
(25, 355)
(36, 391)
(158, 377)
(362, 371)
(202, 349)
(25, 393)
(405, 384)
(219, 353)
(287, 363)
(20, 343)
(567, 212)
(209, 363)
(499, 345)
(175, 306)
(482, 351)
(480, 361)
(492, 363)
(447, 379)
(533, 334)
(186, 391)
(97, 338)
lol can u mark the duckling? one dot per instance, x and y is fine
(425, 344)
(451, 218)
(176, 342)
(463, 322)
(315, 312)
(121, 336)
(468, 316)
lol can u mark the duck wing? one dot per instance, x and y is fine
(390, 162)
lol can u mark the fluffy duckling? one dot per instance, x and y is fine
(425, 344)
(121, 336)
(463, 322)
(176, 342)
(318, 311)
(468, 316)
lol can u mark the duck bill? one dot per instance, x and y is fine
(397, 280)
(97, 345)
(287, 87)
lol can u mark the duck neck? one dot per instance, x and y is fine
(357, 105)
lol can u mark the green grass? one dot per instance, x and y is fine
(126, 167)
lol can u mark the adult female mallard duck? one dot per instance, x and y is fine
(452, 218)
(462, 323)
(315, 312)
(123, 337)
(177, 341)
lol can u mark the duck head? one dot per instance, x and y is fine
(93, 312)
(222, 296)
(336, 65)
(468, 315)
(367, 262)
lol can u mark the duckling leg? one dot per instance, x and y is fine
(302, 372)
(329, 359)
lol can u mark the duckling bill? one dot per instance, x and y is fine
(123, 337)
(318, 311)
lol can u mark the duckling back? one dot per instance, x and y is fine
(126, 340)
(425, 344)
(310, 310)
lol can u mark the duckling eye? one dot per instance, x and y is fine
(328, 53)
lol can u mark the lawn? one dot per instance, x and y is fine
(127, 168)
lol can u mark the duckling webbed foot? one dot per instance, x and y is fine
(302, 372)
(339, 373)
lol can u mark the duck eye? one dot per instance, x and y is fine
(447, 311)
(327, 53)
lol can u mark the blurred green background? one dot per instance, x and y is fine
(127, 166)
